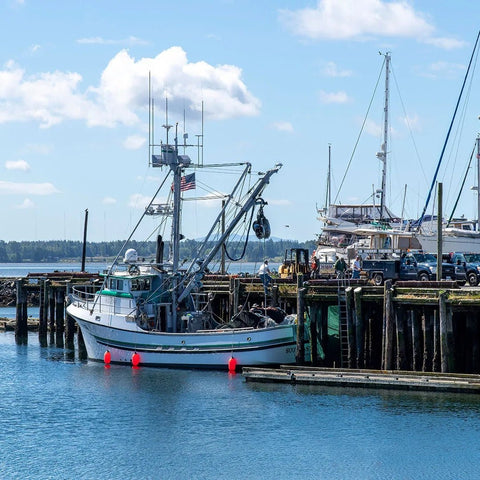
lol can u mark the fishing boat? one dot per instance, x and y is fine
(154, 313)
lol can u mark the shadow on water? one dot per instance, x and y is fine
(395, 401)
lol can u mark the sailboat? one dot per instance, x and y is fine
(152, 314)
(345, 225)
(458, 235)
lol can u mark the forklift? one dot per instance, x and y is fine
(296, 261)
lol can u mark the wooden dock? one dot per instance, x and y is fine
(376, 379)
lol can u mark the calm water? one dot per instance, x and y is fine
(62, 418)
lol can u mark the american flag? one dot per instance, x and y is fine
(187, 182)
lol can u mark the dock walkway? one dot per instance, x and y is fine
(400, 380)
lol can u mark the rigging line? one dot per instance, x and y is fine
(408, 125)
(129, 238)
(459, 131)
(448, 134)
(461, 188)
(244, 245)
(360, 133)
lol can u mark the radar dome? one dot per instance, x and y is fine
(131, 256)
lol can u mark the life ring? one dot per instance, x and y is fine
(133, 269)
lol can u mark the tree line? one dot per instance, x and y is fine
(68, 250)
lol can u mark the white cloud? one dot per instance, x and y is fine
(17, 165)
(412, 122)
(26, 204)
(445, 43)
(10, 188)
(331, 70)
(373, 128)
(280, 202)
(134, 142)
(333, 97)
(362, 19)
(139, 201)
(283, 126)
(104, 41)
(109, 201)
(35, 48)
(38, 148)
(52, 97)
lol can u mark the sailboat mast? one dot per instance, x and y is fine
(328, 197)
(382, 156)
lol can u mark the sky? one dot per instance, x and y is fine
(280, 82)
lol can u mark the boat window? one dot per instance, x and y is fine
(142, 284)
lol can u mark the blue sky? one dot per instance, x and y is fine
(280, 81)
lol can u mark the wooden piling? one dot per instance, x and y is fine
(388, 320)
(314, 313)
(42, 311)
(350, 326)
(427, 341)
(416, 341)
(359, 328)
(300, 353)
(21, 324)
(446, 335)
(400, 320)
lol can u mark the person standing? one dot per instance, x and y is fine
(264, 275)
(357, 266)
(340, 267)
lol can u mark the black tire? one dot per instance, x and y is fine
(377, 279)
(423, 277)
(472, 279)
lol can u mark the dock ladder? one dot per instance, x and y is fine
(343, 326)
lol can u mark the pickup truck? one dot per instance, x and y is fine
(410, 267)
(471, 263)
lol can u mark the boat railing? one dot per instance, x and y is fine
(108, 305)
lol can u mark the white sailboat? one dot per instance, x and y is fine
(151, 313)
(347, 225)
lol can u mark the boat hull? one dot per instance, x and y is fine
(452, 243)
(206, 349)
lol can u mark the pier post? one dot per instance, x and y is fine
(21, 324)
(359, 328)
(387, 343)
(51, 308)
(300, 353)
(401, 343)
(350, 326)
(59, 316)
(436, 359)
(42, 313)
(427, 341)
(274, 295)
(314, 313)
(446, 335)
(416, 344)
(69, 325)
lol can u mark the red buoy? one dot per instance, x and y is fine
(135, 359)
(232, 364)
(107, 357)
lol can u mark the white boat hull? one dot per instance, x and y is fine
(451, 243)
(206, 349)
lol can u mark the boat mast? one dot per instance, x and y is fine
(382, 155)
(328, 198)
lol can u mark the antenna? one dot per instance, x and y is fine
(166, 126)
